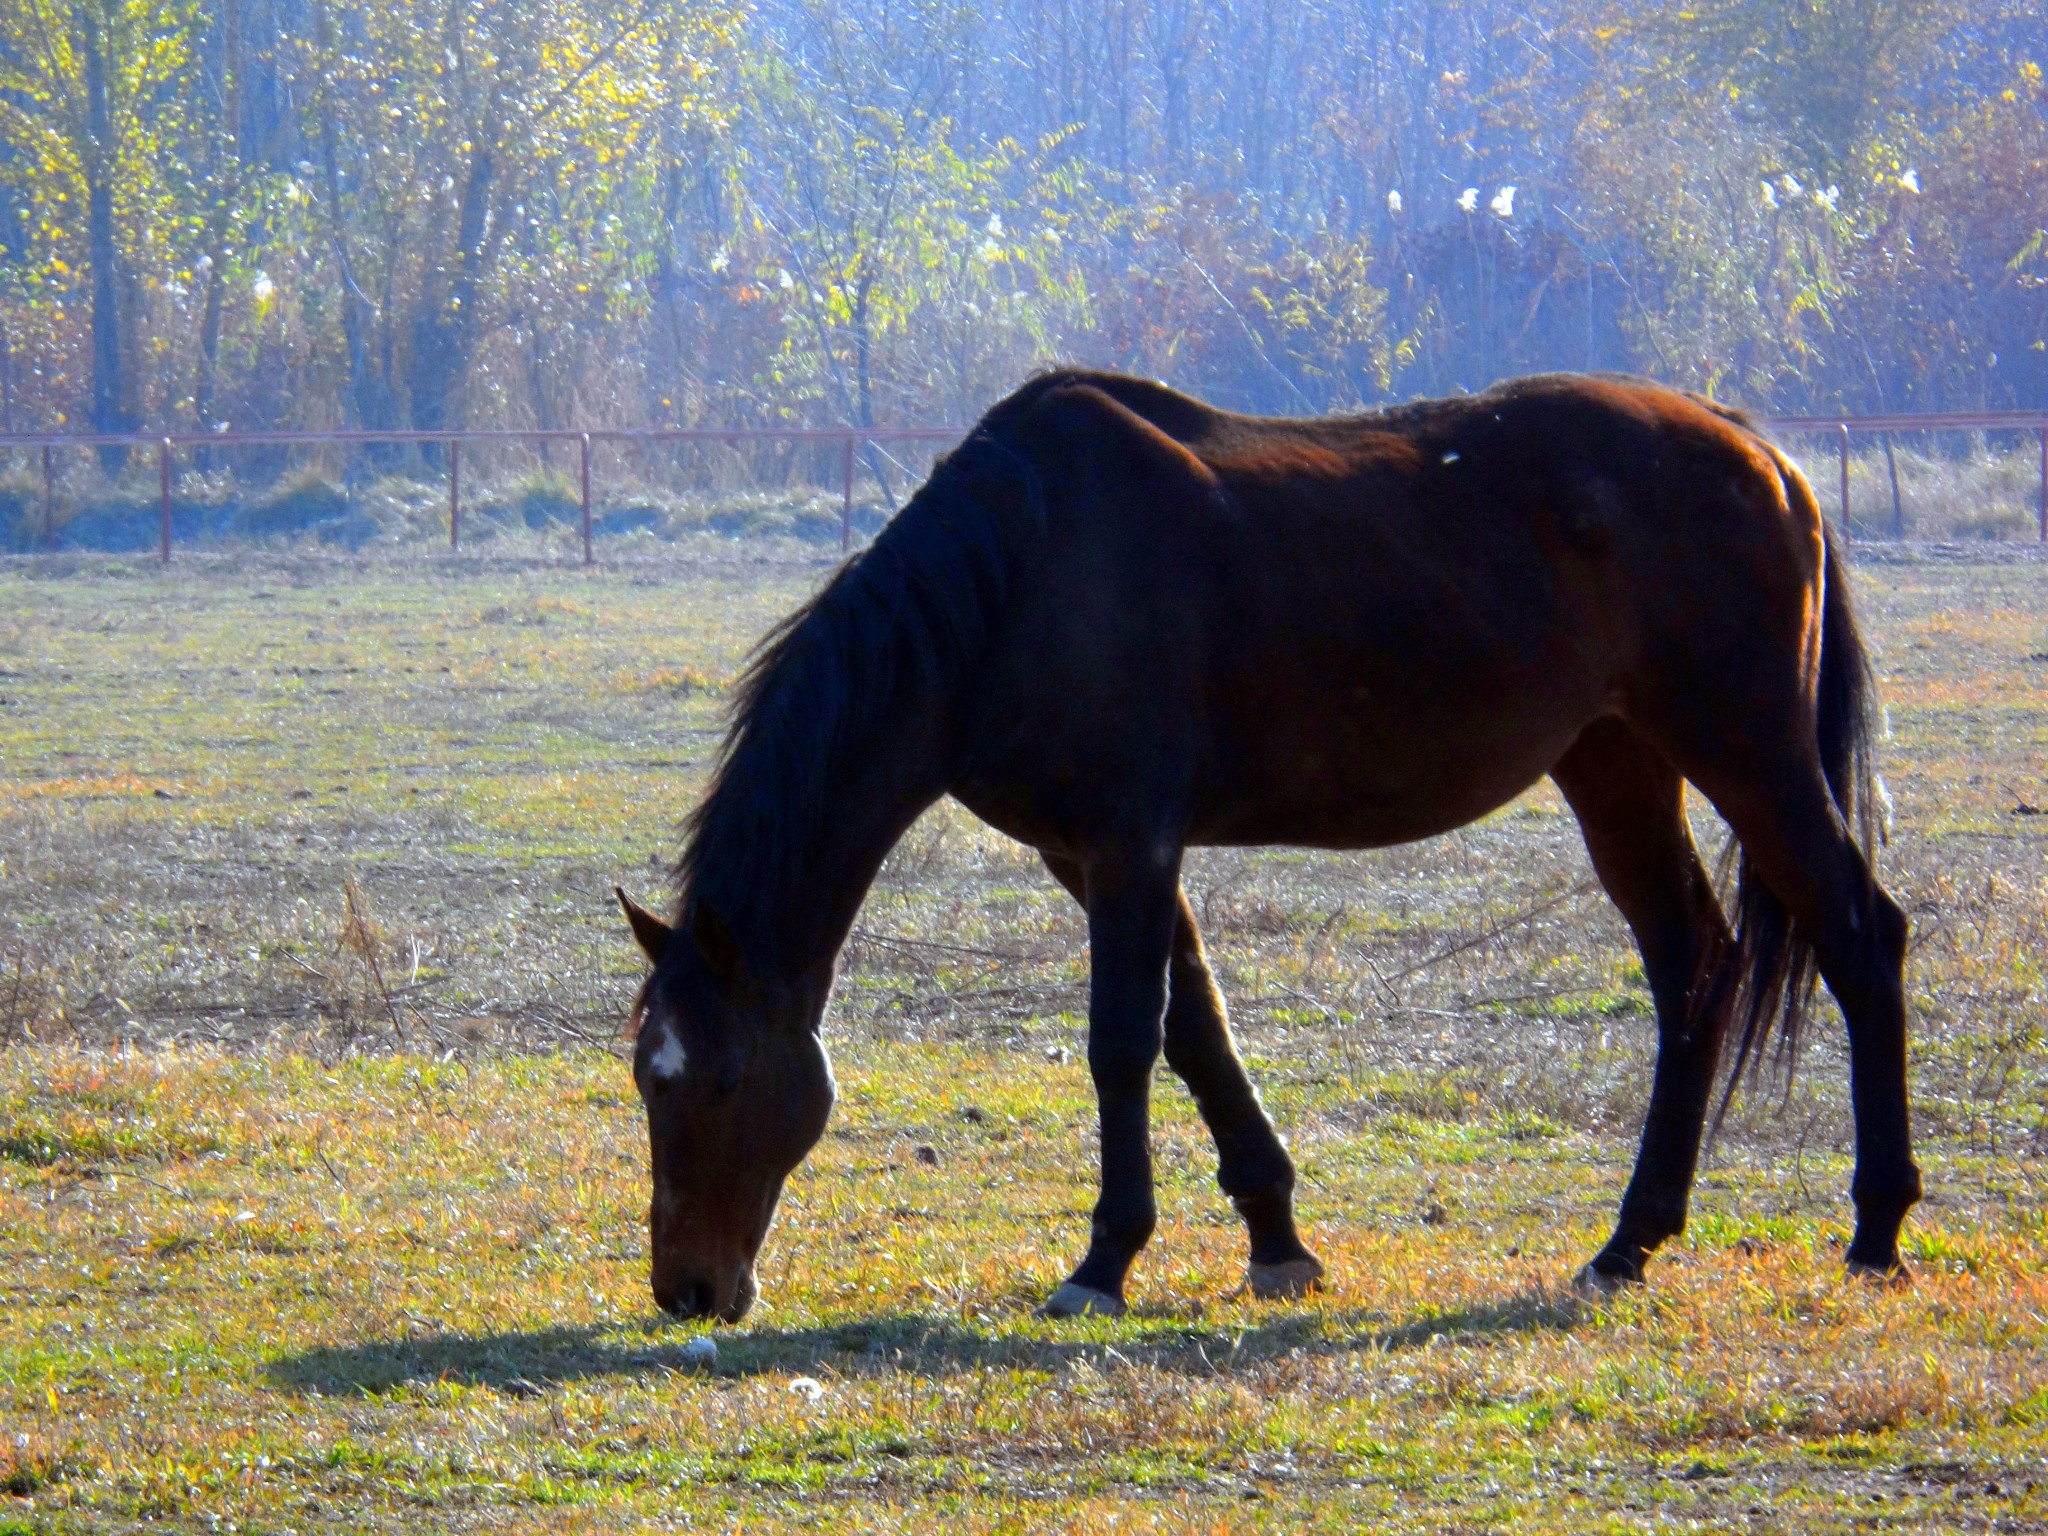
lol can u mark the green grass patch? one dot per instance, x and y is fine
(308, 1230)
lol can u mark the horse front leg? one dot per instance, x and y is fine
(1252, 1164)
(1133, 903)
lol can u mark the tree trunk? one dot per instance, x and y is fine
(444, 330)
(369, 392)
(665, 323)
(223, 188)
(867, 396)
(209, 344)
(537, 383)
(108, 390)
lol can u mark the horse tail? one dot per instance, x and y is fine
(1772, 969)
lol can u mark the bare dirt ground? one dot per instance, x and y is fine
(310, 1131)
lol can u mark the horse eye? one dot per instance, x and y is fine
(728, 1080)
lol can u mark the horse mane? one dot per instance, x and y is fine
(897, 626)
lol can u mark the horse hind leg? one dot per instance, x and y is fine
(1794, 837)
(1735, 707)
(1630, 804)
(1252, 1165)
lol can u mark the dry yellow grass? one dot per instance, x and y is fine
(295, 1242)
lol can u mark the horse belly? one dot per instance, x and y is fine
(1344, 779)
(1324, 803)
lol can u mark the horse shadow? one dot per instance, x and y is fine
(530, 1362)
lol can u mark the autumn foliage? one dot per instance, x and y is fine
(429, 213)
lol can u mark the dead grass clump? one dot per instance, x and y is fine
(361, 940)
(32, 1465)
(30, 996)
(677, 681)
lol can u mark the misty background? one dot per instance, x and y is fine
(438, 213)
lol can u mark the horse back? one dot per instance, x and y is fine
(1364, 629)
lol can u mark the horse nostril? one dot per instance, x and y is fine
(689, 1298)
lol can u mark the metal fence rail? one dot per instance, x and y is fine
(847, 439)
(1841, 427)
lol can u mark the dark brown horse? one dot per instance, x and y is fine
(1115, 623)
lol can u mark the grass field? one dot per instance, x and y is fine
(322, 1187)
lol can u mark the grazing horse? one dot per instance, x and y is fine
(1115, 623)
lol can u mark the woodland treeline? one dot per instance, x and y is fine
(427, 213)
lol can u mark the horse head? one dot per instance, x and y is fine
(737, 1088)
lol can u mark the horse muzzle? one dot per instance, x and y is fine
(691, 1296)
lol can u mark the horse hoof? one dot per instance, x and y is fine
(1287, 1281)
(1072, 1300)
(1890, 1273)
(1597, 1285)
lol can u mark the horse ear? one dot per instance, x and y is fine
(720, 949)
(650, 930)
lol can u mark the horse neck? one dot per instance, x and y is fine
(800, 925)
(842, 736)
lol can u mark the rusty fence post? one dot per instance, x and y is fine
(454, 494)
(163, 467)
(49, 502)
(589, 556)
(1848, 523)
(846, 500)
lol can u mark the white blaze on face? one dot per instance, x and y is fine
(667, 1060)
